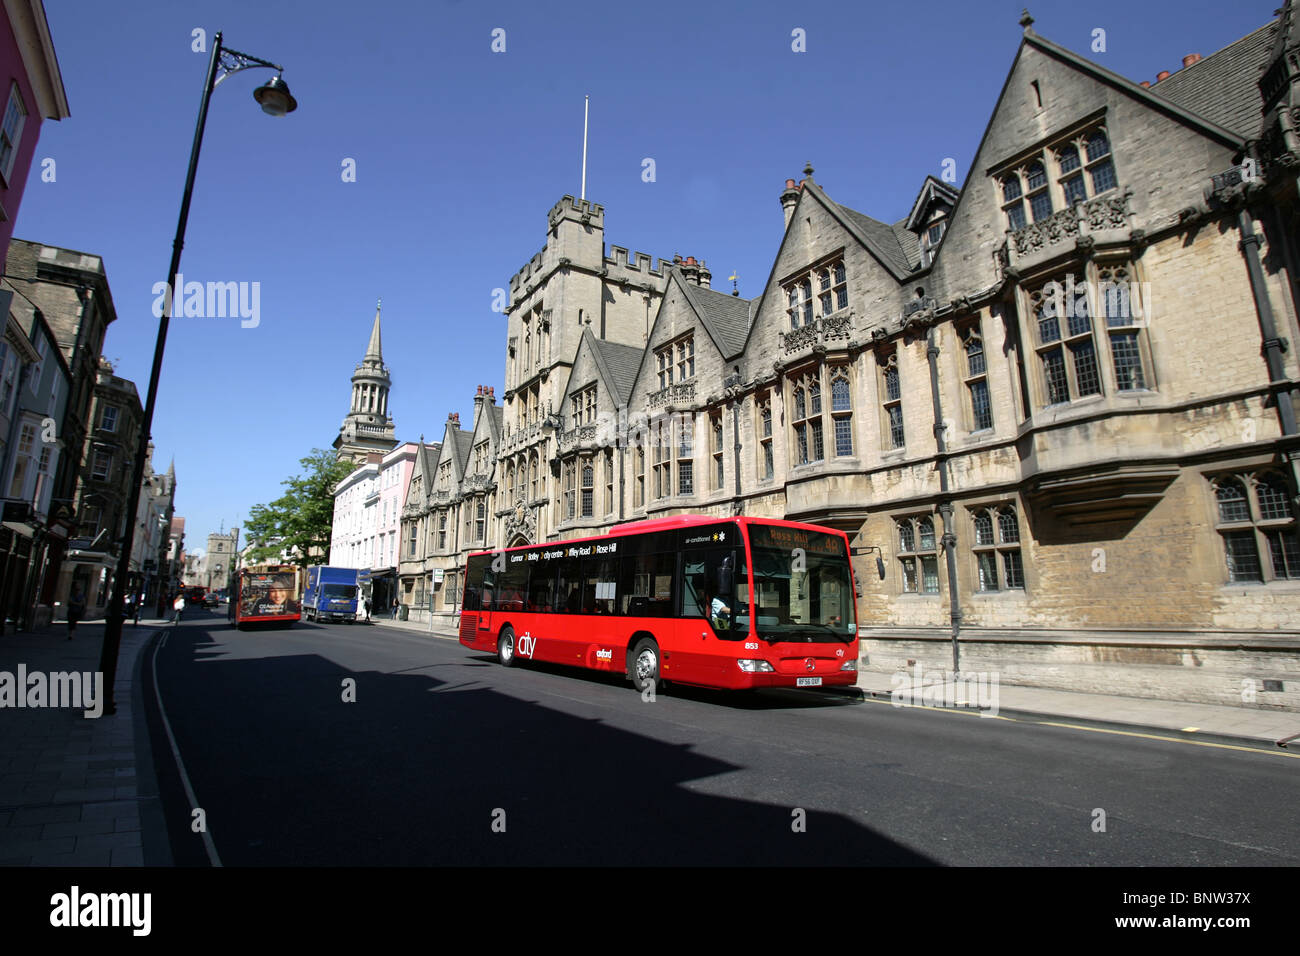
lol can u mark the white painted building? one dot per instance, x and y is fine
(356, 518)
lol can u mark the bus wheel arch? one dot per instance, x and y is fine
(644, 661)
(506, 646)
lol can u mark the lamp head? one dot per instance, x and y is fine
(274, 97)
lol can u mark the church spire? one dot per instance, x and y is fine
(375, 351)
(368, 426)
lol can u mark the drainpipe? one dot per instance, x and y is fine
(1273, 344)
(735, 448)
(621, 461)
(945, 501)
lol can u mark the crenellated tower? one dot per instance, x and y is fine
(368, 427)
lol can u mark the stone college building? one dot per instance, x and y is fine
(1059, 401)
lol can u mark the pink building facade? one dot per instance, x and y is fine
(394, 479)
(31, 89)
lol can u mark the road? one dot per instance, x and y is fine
(445, 757)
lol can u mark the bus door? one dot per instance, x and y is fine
(707, 629)
(602, 647)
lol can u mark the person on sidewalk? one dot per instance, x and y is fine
(396, 605)
(365, 607)
(76, 608)
(179, 607)
(139, 605)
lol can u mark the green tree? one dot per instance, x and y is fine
(299, 522)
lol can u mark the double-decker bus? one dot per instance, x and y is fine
(268, 595)
(730, 603)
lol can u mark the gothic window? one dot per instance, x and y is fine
(609, 482)
(442, 531)
(1101, 168)
(663, 475)
(1066, 351)
(766, 463)
(891, 392)
(831, 293)
(532, 469)
(638, 485)
(685, 457)
(480, 520)
(997, 548)
(977, 384)
(807, 418)
(588, 488)
(1117, 294)
(1040, 200)
(715, 430)
(664, 357)
(1012, 203)
(569, 478)
(842, 410)
(686, 358)
(1255, 516)
(918, 554)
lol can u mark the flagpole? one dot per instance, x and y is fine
(586, 109)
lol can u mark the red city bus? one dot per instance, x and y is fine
(727, 603)
(268, 595)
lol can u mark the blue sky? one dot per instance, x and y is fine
(460, 152)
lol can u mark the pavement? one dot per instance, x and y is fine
(79, 791)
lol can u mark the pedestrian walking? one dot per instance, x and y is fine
(76, 608)
(179, 607)
(139, 604)
(396, 605)
(365, 607)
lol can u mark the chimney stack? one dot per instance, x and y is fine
(478, 406)
(1190, 59)
(789, 197)
(1162, 75)
(1145, 84)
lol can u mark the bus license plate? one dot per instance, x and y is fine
(808, 682)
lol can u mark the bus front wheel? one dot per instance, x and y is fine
(644, 667)
(506, 646)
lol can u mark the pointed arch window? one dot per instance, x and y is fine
(1256, 517)
(997, 548)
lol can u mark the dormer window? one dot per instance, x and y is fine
(930, 240)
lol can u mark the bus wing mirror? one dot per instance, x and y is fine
(726, 582)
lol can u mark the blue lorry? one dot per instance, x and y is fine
(331, 594)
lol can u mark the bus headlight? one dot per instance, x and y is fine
(753, 667)
(849, 665)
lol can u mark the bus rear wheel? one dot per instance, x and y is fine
(643, 666)
(506, 647)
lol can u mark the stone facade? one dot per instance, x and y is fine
(1057, 403)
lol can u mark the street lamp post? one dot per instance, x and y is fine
(275, 99)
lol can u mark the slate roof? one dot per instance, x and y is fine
(881, 237)
(621, 362)
(909, 242)
(726, 317)
(459, 440)
(1223, 87)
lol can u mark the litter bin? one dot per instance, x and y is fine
(402, 612)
